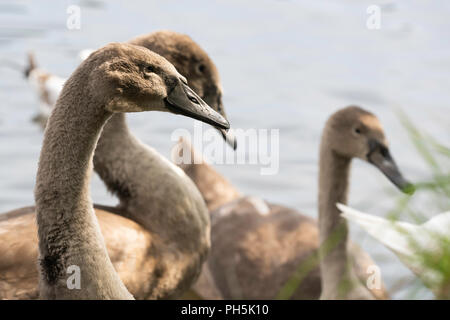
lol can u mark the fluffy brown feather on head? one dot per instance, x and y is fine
(353, 132)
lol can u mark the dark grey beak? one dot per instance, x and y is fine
(381, 158)
(183, 100)
(31, 65)
(229, 138)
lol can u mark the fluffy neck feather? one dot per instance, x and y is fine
(338, 277)
(68, 230)
(160, 197)
(215, 188)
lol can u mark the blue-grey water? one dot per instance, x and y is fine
(284, 65)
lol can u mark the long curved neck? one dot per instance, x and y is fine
(337, 273)
(152, 191)
(72, 250)
(214, 187)
(112, 158)
(160, 197)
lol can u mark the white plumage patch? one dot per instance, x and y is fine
(260, 205)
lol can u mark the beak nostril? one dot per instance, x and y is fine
(194, 100)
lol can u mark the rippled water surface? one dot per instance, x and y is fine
(284, 64)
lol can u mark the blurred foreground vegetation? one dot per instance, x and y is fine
(434, 196)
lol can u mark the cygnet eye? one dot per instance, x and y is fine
(201, 68)
(149, 69)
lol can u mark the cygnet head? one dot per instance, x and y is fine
(193, 63)
(353, 132)
(129, 78)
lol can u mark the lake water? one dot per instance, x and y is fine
(284, 65)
